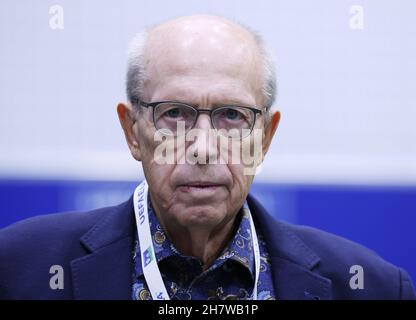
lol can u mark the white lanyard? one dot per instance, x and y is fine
(148, 258)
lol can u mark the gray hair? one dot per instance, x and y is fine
(136, 71)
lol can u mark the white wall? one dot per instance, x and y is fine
(346, 96)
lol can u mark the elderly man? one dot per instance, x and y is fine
(201, 87)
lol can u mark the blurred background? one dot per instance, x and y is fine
(344, 157)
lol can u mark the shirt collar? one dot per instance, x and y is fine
(239, 249)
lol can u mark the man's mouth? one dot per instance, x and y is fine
(200, 187)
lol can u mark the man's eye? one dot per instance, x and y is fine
(232, 114)
(173, 113)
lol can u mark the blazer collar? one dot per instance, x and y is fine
(292, 260)
(105, 273)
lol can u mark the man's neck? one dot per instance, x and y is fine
(203, 243)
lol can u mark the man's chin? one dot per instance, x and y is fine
(201, 215)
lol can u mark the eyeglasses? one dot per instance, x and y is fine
(236, 122)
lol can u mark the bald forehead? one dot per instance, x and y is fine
(216, 28)
(202, 45)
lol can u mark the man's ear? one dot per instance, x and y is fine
(127, 121)
(270, 130)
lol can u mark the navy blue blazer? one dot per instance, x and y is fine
(95, 250)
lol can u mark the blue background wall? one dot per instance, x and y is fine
(368, 215)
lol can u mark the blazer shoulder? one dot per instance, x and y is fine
(29, 248)
(43, 229)
(341, 259)
(327, 244)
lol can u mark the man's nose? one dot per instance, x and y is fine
(203, 147)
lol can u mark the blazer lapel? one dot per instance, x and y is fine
(105, 273)
(294, 282)
(292, 260)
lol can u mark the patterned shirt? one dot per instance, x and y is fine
(230, 277)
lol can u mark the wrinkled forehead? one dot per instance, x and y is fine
(202, 48)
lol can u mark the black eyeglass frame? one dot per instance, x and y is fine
(198, 111)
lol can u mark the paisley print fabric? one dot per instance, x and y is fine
(231, 276)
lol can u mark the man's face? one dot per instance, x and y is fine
(203, 66)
